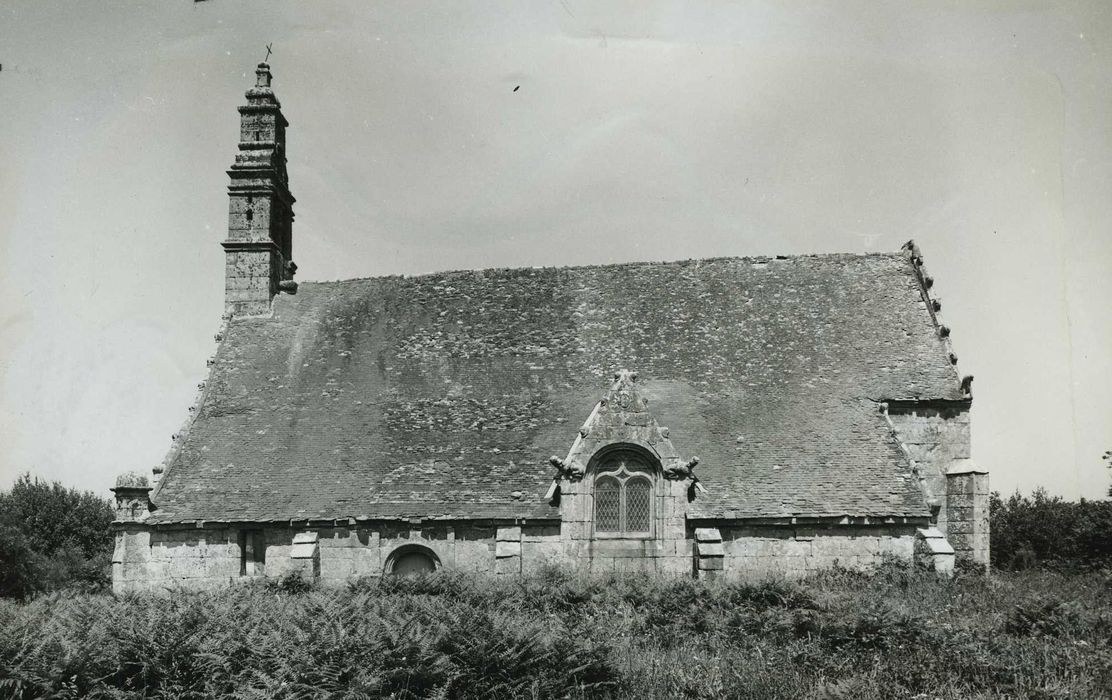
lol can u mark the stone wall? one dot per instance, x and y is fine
(755, 552)
(167, 559)
(146, 559)
(249, 217)
(934, 437)
(250, 278)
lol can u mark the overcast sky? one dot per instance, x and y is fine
(642, 132)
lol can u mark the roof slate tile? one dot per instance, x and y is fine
(440, 396)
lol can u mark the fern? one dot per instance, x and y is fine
(568, 635)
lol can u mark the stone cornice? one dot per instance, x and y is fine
(265, 244)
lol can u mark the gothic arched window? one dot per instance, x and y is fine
(623, 496)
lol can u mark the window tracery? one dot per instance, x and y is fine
(623, 490)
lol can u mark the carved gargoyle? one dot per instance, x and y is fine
(287, 284)
(573, 473)
(967, 384)
(682, 471)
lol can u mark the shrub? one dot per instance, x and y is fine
(771, 593)
(17, 563)
(292, 583)
(878, 626)
(556, 591)
(52, 538)
(54, 517)
(1042, 616)
(1047, 532)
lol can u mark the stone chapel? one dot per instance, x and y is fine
(736, 417)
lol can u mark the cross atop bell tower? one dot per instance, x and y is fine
(259, 247)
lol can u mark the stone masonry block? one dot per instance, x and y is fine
(960, 499)
(959, 527)
(222, 568)
(816, 563)
(960, 513)
(710, 549)
(961, 541)
(336, 569)
(134, 572)
(573, 530)
(304, 545)
(674, 566)
(707, 534)
(959, 484)
(667, 507)
(711, 564)
(799, 548)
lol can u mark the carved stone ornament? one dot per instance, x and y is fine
(682, 471)
(622, 417)
(132, 497)
(563, 471)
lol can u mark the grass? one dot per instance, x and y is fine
(896, 634)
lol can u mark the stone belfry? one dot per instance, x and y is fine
(258, 250)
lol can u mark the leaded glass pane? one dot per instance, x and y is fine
(638, 505)
(607, 505)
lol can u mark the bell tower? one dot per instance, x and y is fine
(258, 250)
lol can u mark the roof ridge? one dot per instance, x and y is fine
(633, 263)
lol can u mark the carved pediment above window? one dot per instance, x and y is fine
(623, 417)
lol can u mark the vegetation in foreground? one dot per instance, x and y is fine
(1042, 630)
(897, 634)
(53, 538)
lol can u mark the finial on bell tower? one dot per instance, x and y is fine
(259, 247)
(262, 72)
(262, 75)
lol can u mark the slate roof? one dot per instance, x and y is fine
(443, 395)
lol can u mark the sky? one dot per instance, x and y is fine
(430, 136)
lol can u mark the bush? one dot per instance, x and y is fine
(69, 568)
(879, 625)
(52, 537)
(17, 564)
(293, 583)
(54, 517)
(1047, 532)
(772, 593)
(1042, 616)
